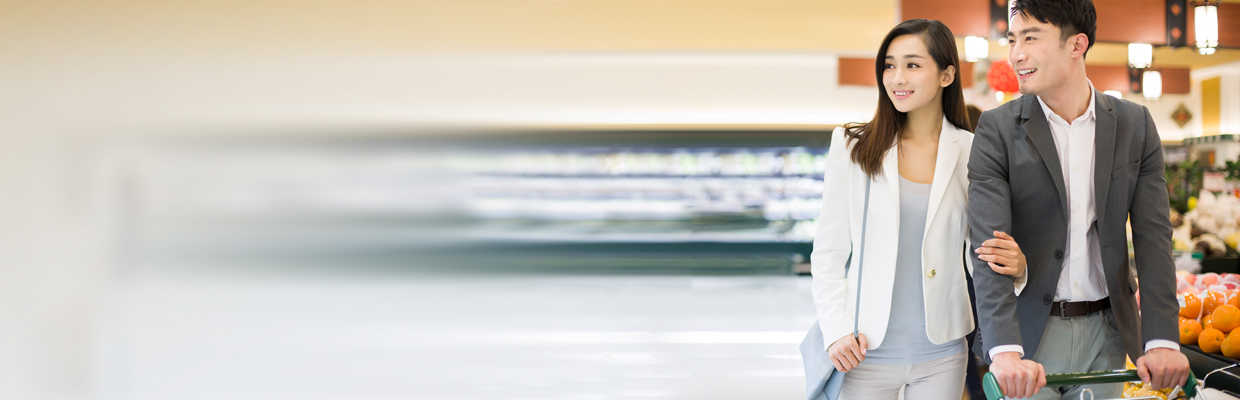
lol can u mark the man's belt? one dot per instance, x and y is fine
(1069, 309)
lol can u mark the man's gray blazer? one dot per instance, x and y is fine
(1016, 185)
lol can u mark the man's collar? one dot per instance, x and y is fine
(1089, 112)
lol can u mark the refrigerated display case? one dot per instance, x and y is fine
(688, 199)
(594, 200)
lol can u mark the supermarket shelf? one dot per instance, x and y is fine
(543, 200)
(669, 247)
(1203, 363)
(1193, 141)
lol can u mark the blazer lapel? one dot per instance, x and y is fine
(1038, 130)
(944, 168)
(1104, 151)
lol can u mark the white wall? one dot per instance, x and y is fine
(656, 89)
(1229, 103)
(1229, 97)
(362, 91)
(1162, 109)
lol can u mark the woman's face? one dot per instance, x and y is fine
(911, 78)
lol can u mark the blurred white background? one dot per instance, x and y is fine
(265, 200)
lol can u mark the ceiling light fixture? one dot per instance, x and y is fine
(976, 48)
(1140, 55)
(1205, 19)
(1151, 85)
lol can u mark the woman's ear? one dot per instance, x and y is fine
(948, 77)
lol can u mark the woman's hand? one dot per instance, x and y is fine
(846, 353)
(1003, 255)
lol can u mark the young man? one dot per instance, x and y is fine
(1063, 169)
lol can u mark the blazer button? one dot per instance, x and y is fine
(1058, 254)
(1046, 299)
(930, 274)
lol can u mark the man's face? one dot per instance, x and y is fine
(1040, 58)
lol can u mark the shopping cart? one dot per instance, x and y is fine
(1189, 391)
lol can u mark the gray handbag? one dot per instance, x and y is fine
(822, 381)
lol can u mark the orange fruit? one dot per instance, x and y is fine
(1192, 306)
(1225, 318)
(1213, 300)
(1189, 331)
(1211, 340)
(1206, 322)
(1234, 298)
(1231, 346)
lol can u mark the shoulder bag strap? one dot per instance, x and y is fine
(865, 214)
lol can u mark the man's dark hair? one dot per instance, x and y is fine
(1070, 16)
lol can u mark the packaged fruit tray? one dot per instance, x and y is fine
(1200, 283)
(1209, 325)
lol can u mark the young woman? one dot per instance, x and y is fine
(914, 307)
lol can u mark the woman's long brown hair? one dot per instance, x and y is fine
(877, 136)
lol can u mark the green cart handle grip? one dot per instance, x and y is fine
(991, 386)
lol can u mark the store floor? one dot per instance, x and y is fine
(391, 337)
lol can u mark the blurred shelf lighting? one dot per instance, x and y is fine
(1151, 85)
(1114, 93)
(1205, 19)
(976, 48)
(1140, 55)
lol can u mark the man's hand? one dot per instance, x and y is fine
(846, 353)
(1017, 378)
(1163, 368)
(1003, 255)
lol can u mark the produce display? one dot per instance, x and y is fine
(1210, 226)
(1210, 312)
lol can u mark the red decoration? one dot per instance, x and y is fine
(1002, 77)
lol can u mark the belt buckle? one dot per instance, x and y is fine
(1063, 309)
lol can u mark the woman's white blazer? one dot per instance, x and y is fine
(943, 265)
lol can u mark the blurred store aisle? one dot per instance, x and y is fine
(545, 337)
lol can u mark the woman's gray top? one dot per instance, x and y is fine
(906, 341)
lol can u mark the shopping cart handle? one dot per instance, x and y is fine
(991, 386)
